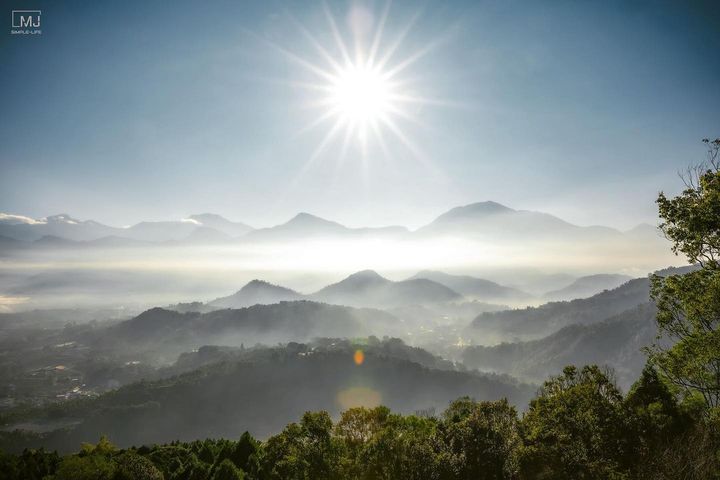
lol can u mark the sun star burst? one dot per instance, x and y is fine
(360, 95)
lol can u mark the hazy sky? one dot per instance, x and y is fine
(154, 110)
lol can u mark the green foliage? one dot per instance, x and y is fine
(86, 467)
(692, 220)
(688, 352)
(482, 439)
(169, 459)
(579, 427)
(402, 448)
(305, 450)
(574, 429)
(688, 347)
(104, 447)
(30, 465)
(228, 471)
(131, 466)
(246, 454)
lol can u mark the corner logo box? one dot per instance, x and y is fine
(26, 22)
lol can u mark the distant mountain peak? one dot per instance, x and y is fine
(474, 210)
(62, 218)
(488, 206)
(366, 275)
(256, 292)
(207, 216)
(304, 218)
(257, 284)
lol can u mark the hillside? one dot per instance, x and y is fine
(616, 342)
(535, 322)
(163, 334)
(587, 286)
(263, 393)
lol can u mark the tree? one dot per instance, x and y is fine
(88, 467)
(30, 465)
(402, 448)
(688, 348)
(228, 471)
(304, 451)
(482, 439)
(358, 425)
(319, 448)
(574, 428)
(691, 221)
(246, 454)
(131, 466)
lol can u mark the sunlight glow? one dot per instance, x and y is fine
(354, 397)
(362, 95)
(359, 91)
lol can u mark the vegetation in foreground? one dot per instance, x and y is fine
(578, 427)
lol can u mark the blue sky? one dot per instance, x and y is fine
(153, 110)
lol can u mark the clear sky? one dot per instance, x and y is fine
(130, 111)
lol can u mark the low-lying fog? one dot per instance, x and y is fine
(138, 277)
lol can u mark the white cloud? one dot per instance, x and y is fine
(10, 219)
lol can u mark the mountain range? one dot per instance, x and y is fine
(65, 227)
(483, 220)
(443, 292)
(362, 289)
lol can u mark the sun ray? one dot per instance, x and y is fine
(302, 62)
(320, 49)
(410, 60)
(329, 136)
(336, 35)
(398, 41)
(318, 121)
(378, 34)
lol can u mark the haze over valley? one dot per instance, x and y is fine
(525, 254)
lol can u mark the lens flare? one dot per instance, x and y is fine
(359, 357)
(359, 397)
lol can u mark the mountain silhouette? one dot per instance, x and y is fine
(368, 288)
(475, 288)
(256, 292)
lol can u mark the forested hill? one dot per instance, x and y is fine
(616, 342)
(166, 333)
(262, 394)
(536, 322)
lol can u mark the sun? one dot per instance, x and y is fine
(358, 88)
(361, 95)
